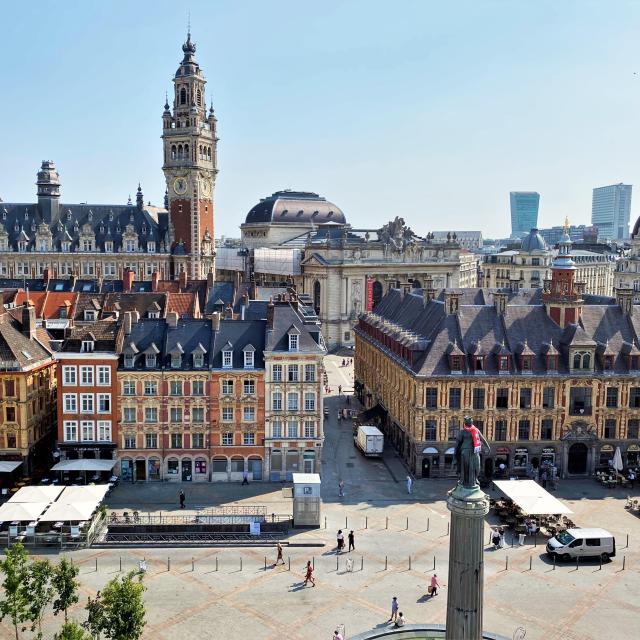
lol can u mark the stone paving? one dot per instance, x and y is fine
(194, 595)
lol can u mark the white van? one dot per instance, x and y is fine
(583, 543)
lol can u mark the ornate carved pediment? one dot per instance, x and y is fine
(579, 430)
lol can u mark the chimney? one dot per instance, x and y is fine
(500, 302)
(29, 320)
(210, 279)
(624, 297)
(228, 313)
(127, 280)
(172, 319)
(155, 278)
(127, 323)
(182, 280)
(270, 308)
(215, 321)
(46, 276)
(451, 302)
(135, 317)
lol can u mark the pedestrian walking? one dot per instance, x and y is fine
(340, 540)
(339, 389)
(503, 542)
(631, 477)
(352, 541)
(495, 538)
(409, 484)
(308, 576)
(341, 488)
(434, 585)
(544, 477)
(181, 499)
(245, 478)
(279, 548)
(394, 609)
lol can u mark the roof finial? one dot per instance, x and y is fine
(566, 224)
(189, 25)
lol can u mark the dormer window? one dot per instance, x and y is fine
(87, 245)
(503, 363)
(150, 360)
(176, 360)
(154, 315)
(479, 363)
(552, 362)
(22, 246)
(582, 360)
(151, 247)
(89, 316)
(87, 346)
(248, 359)
(227, 359)
(43, 245)
(198, 360)
(130, 246)
(63, 314)
(129, 360)
(293, 341)
(66, 247)
(108, 246)
(456, 363)
(526, 363)
(608, 363)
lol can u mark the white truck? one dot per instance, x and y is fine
(369, 440)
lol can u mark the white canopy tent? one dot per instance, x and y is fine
(36, 494)
(7, 466)
(85, 464)
(89, 493)
(531, 497)
(61, 512)
(22, 511)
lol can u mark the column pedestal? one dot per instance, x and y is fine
(466, 563)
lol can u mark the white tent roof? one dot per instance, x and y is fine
(86, 464)
(531, 497)
(62, 512)
(36, 494)
(7, 466)
(90, 493)
(23, 512)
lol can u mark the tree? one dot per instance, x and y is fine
(95, 616)
(65, 585)
(16, 596)
(70, 631)
(121, 607)
(40, 592)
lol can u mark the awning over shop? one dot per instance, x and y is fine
(22, 511)
(61, 512)
(7, 466)
(377, 411)
(531, 497)
(429, 450)
(85, 464)
(91, 492)
(36, 494)
(450, 451)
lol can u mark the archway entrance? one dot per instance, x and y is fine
(316, 297)
(426, 467)
(377, 293)
(577, 462)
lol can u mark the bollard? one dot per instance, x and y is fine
(448, 525)
(506, 563)
(120, 563)
(627, 545)
(624, 562)
(385, 563)
(361, 563)
(216, 563)
(96, 565)
(168, 563)
(193, 565)
(554, 561)
(366, 522)
(346, 522)
(409, 563)
(577, 562)
(427, 524)
(434, 563)
(289, 559)
(600, 563)
(387, 524)
(513, 535)
(313, 562)
(490, 536)
(325, 522)
(265, 563)
(337, 563)
(535, 539)
(407, 527)
(530, 561)
(240, 563)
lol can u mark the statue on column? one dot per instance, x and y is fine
(468, 447)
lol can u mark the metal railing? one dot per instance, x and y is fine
(204, 517)
(193, 537)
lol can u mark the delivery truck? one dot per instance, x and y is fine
(369, 440)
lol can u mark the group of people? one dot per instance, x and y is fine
(340, 540)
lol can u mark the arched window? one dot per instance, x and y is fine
(186, 151)
(183, 96)
(577, 361)
(199, 98)
(173, 152)
(179, 151)
(209, 153)
(416, 284)
(586, 361)
(316, 296)
(377, 293)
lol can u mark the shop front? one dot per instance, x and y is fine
(548, 456)
(501, 462)
(520, 460)
(430, 462)
(605, 459)
(633, 455)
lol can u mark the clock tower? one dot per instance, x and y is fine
(190, 168)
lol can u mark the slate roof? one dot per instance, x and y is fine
(286, 318)
(17, 349)
(143, 303)
(106, 335)
(295, 207)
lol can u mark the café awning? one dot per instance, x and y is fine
(85, 464)
(7, 466)
(77, 512)
(91, 492)
(36, 494)
(532, 499)
(22, 511)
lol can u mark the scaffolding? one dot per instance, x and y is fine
(283, 262)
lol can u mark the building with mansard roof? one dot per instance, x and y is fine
(548, 374)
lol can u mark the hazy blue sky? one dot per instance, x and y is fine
(429, 110)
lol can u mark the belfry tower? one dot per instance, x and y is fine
(190, 169)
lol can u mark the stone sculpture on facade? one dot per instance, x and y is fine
(396, 234)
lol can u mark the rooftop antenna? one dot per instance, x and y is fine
(189, 22)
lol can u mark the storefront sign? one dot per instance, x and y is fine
(633, 447)
(369, 288)
(548, 450)
(606, 447)
(502, 450)
(521, 450)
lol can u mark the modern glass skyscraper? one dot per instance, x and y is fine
(524, 212)
(610, 211)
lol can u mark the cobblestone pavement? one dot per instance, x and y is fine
(228, 593)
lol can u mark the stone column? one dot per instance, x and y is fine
(466, 563)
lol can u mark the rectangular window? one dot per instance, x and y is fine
(104, 430)
(249, 387)
(634, 398)
(501, 430)
(10, 413)
(309, 401)
(292, 401)
(129, 414)
(276, 401)
(293, 342)
(454, 428)
(525, 398)
(197, 414)
(580, 401)
(150, 388)
(104, 403)
(87, 346)
(176, 361)
(175, 388)
(248, 438)
(198, 360)
(129, 442)
(129, 360)
(309, 429)
(609, 429)
(197, 388)
(176, 441)
(176, 414)
(104, 376)
(227, 359)
(612, 397)
(431, 397)
(546, 429)
(430, 430)
(548, 398)
(110, 267)
(151, 414)
(248, 414)
(248, 359)
(69, 375)
(227, 438)
(86, 376)
(88, 430)
(70, 402)
(86, 402)
(292, 373)
(227, 414)
(292, 429)
(455, 394)
(151, 440)
(632, 429)
(276, 429)
(9, 388)
(276, 373)
(524, 427)
(70, 431)
(478, 399)
(502, 398)
(150, 361)
(227, 387)
(197, 440)
(309, 372)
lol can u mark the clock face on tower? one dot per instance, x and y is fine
(180, 186)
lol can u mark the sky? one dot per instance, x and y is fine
(432, 111)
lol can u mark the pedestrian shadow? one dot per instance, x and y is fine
(425, 598)
(297, 586)
(383, 625)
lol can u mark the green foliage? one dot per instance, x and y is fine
(40, 592)
(71, 631)
(66, 586)
(16, 600)
(121, 610)
(95, 622)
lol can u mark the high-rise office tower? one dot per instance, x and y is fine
(524, 212)
(610, 211)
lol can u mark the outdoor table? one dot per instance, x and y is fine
(45, 481)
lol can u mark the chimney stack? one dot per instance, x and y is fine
(182, 280)
(228, 313)
(29, 320)
(270, 309)
(127, 280)
(172, 319)
(46, 276)
(500, 302)
(127, 323)
(624, 297)
(215, 321)
(155, 278)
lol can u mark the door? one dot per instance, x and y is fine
(426, 467)
(186, 471)
(577, 462)
(255, 468)
(140, 470)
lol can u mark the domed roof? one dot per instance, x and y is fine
(295, 207)
(636, 230)
(533, 241)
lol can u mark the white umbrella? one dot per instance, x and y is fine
(617, 460)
